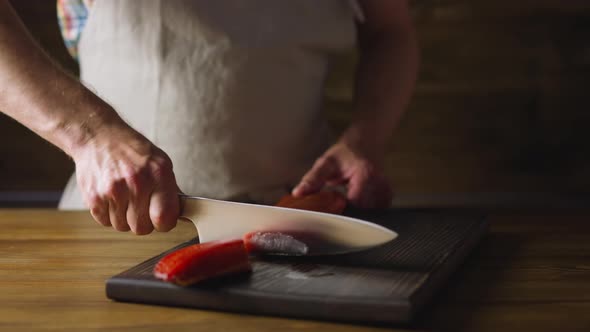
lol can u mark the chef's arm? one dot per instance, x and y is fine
(385, 78)
(126, 181)
(40, 95)
(386, 74)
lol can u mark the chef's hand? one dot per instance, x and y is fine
(385, 77)
(127, 182)
(344, 163)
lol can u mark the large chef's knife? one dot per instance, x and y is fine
(324, 233)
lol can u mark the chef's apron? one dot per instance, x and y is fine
(231, 90)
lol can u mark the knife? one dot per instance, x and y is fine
(324, 233)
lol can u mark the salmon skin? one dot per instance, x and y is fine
(294, 243)
(274, 243)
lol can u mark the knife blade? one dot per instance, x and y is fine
(324, 233)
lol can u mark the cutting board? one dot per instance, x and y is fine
(387, 284)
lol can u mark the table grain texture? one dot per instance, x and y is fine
(530, 273)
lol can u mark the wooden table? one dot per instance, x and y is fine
(531, 273)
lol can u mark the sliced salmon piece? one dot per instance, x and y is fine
(323, 201)
(203, 261)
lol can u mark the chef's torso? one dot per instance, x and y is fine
(230, 89)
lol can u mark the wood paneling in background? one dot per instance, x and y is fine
(500, 104)
(501, 99)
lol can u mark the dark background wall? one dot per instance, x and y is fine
(501, 103)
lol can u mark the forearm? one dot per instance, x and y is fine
(385, 80)
(41, 96)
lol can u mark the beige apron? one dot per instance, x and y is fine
(230, 89)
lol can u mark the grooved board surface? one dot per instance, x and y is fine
(384, 284)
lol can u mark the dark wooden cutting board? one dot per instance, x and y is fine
(387, 284)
